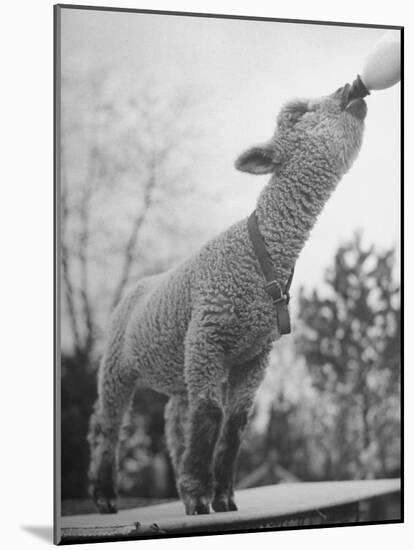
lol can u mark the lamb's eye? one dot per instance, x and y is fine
(297, 114)
(294, 117)
(313, 106)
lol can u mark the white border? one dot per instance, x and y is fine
(26, 275)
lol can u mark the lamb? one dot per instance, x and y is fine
(201, 332)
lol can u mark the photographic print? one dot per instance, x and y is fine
(228, 296)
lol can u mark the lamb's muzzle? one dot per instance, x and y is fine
(357, 107)
(351, 98)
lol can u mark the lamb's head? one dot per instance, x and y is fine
(323, 133)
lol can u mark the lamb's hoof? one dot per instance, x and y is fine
(196, 505)
(105, 504)
(224, 503)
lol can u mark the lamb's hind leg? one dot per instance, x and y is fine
(116, 386)
(176, 418)
(243, 383)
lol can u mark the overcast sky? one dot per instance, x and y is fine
(248, 69)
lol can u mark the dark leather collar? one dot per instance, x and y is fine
(273, 287)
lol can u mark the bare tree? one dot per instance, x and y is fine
(126, 154)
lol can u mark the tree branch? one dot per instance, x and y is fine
(133, 237)
(84, 217)
(69, 290)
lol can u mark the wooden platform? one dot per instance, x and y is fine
(258, 507)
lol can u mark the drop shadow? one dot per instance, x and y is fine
(44, 532)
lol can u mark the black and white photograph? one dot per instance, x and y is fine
(228, 223)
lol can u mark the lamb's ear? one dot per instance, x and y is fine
(261, 159)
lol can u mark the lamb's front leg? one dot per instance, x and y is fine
(243, 383)
(204, 372)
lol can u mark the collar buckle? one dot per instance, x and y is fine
(274, 289)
